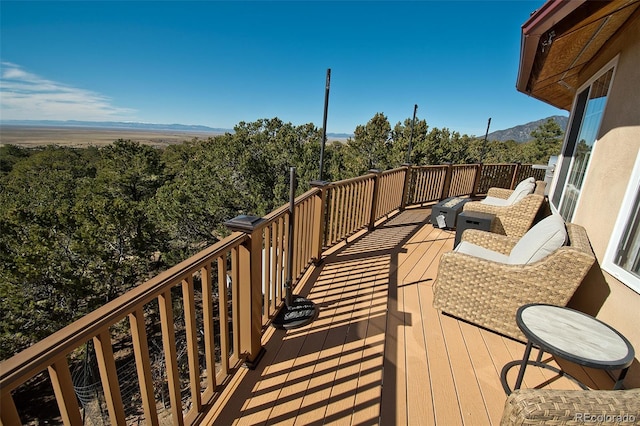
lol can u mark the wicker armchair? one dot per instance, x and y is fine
(572, 407)
(516, 219)
(488, 293)
(504, 193)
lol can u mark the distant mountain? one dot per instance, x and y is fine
(134, 126)
(522, 133)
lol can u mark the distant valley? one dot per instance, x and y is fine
(82, 133)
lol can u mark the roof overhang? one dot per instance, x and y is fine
(559, 39)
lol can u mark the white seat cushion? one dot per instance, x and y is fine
(481, 252)
(541, 240)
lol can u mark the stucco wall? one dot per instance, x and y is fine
(604, 187)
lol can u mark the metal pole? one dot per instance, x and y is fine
(484, 144)
(324, 121)
(297, 310)
(415, 108)
(292, 204)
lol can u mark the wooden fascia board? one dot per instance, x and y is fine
(541, 21)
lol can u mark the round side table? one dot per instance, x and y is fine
(571, 335)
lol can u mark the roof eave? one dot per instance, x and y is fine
(541, 21)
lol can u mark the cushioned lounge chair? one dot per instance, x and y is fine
(489, 276)
(501, 197)
(515, 210)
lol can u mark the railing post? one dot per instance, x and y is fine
(250, 288)
(319, 220)
(405, 188)
(476, 180)
(447, 181)
(374, 198)
(516, 170)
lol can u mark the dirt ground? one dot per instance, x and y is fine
(82, 136)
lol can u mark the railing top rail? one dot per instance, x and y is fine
(37, 357)
(368, 176)
(391, 171)
(430, 166)
(274, 215)
(470, 166)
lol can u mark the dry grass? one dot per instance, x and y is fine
(83, 136)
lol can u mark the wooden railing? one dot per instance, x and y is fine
(349, 207)
(132, 318)
(216, 305)
(388, 194)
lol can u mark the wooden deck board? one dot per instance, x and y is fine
(379, 353)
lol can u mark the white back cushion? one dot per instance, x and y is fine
(544, 238)
(523, 189)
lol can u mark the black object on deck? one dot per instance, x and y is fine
(297, 311)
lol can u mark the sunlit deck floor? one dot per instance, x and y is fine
(379, 353)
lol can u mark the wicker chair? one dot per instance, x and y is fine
(513, 220)
(504, 193)
(572, 407)
(488, 293)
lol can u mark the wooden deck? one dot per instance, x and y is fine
(379, 353)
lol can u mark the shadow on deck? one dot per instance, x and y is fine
(379, 353)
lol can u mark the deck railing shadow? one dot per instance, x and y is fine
(240, 286)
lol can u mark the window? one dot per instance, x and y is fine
(585, 123)
(622, 259)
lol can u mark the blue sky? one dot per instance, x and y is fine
(218, 63)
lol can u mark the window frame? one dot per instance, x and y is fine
(573, 131)
(624, 215)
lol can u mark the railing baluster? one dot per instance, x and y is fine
(297, 238)
(341, 212)
(170, 356)
(348, 198)
(279, 259)
(353, 207)
(363, 195)
(374, 198)
(235, 304)
(319, 221)
(208, 326)
(191, 331)
(109, 377)
(266, 275)
(332, 224)
(308, 255)
(143, 364)
(223, 311)
(8, 412)
(65, 395)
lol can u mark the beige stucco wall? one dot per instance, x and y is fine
(606, 182)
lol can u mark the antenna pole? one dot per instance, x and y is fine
(324, 121)
(484, 144)
(413, 122)
(292, 209)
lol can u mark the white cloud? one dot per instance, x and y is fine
(27, 96)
